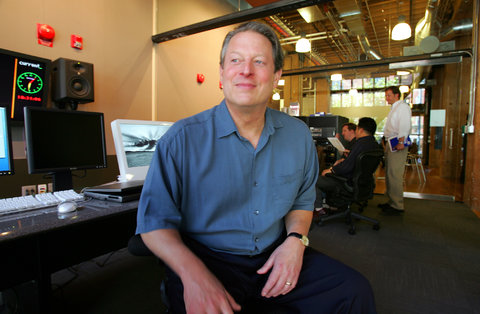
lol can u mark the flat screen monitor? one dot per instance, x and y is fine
(24, 81)
(135, 142)
(60, 141)
(6, 154)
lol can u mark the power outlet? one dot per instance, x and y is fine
(29, 190)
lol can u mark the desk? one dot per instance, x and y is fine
(35, 244)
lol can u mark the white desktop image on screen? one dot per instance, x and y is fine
(135, 142)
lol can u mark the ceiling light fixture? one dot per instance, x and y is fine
(336, 77)
(404, 89)
(276, 96)
(401, 72)
(281, 82)
(303, 45)
(402, 30)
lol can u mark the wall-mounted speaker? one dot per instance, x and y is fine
(72, 81)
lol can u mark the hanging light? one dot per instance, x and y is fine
(336, 77)
(281, 82)
(402, 72)
(276, 96)
(303, 45)
(404, 89)
(402, 30)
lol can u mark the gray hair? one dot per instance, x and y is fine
(261, 29)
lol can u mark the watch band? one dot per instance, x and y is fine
(302, 237)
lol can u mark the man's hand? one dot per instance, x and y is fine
(324, 172)
(202, 291)
(205, 294)
(285, 263)
(399, 146)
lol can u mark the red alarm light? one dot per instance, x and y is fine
(45, 34)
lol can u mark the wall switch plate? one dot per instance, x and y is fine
(29, 190)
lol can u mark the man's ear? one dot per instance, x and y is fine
(276, 77)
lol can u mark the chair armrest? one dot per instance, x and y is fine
(344, 180)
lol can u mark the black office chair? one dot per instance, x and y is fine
(358, 192)
(137, 247)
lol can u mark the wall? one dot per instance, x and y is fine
(117, 40)
(179, 60)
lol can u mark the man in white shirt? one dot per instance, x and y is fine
(398, 125)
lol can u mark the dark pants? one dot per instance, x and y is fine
(324, 286)
(329, 188)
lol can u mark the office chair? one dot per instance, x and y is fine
(137, 247)
(359, 192)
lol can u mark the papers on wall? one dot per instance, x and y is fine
(337, 144)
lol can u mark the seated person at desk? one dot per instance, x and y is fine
(328, 186)
(348, 134)
(227, 202)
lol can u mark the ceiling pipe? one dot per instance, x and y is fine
(367, 48)
(462, 27)
(234, 18)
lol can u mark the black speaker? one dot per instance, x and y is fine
(72, 81)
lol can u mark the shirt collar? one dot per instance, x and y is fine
(224, 124)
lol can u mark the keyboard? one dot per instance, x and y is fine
(29, 202)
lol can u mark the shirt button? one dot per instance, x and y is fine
(255, 183)
(257, 239)
(256, 212)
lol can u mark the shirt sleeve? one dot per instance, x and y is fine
(307, 194)
(159, 202)
(404, 120)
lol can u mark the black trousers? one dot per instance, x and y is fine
(327, 187)
(324, 286)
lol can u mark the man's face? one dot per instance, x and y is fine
(390, 97)
(348, 134)
(247, 74)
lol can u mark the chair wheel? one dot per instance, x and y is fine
(351, 230)
(376, 227)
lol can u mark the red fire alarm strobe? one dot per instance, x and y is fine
(200, 78)
(45, 34)
(76, 42)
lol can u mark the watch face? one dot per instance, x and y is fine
(29, 82)
(305, 240)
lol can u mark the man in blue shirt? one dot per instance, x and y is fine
(228, 199)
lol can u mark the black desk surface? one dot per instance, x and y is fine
(37, 243)
(14, 226)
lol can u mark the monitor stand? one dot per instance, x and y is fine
(62, 180)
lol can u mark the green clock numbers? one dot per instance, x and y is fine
(29, 82)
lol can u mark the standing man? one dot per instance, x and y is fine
(398, 125)
(228, 199)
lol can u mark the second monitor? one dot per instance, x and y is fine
(135, 142)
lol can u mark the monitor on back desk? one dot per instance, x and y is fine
(135, 142)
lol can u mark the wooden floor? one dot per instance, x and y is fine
(434, 184)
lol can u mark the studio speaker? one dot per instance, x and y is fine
(72, 81)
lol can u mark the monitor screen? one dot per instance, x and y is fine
(135, 142)
(59, 141)
(6, 154)
(24, 81)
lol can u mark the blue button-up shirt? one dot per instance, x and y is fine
(209, 182)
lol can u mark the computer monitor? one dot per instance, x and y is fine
(135, 142)
(24, 81)
(6, 154)
(59, 141)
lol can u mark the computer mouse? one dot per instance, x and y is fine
(66, 207)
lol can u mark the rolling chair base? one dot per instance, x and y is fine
(348, 215)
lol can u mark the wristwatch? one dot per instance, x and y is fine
(303, 238)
